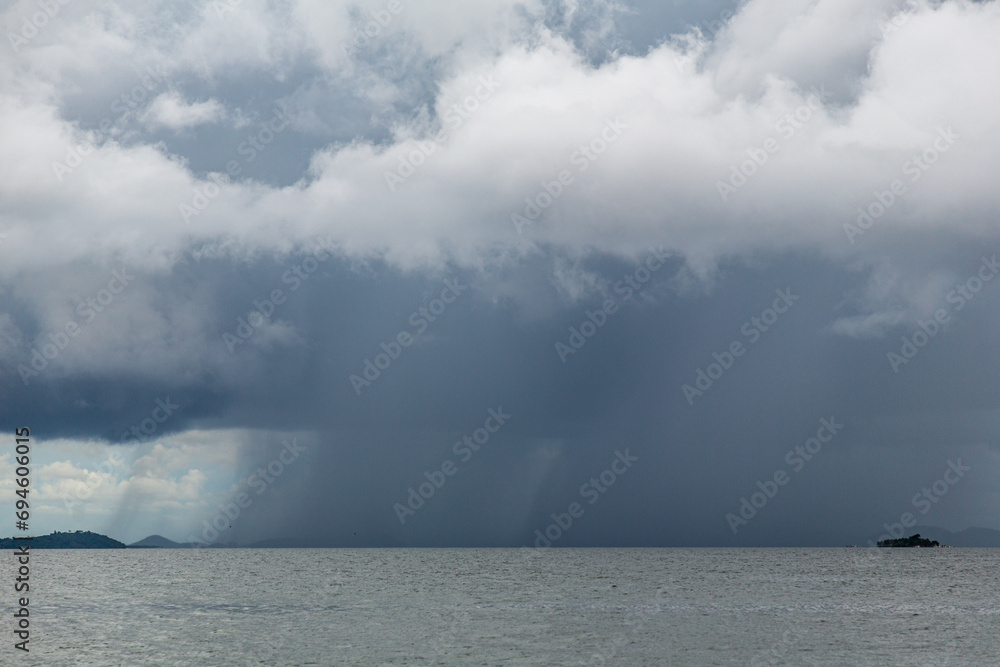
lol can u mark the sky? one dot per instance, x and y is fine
(513, 272)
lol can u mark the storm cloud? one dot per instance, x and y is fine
(698, 234)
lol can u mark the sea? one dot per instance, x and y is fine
(556, 606)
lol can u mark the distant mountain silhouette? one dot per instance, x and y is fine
(77, 540)
(160, 542)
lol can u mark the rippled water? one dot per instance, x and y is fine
(510, 607)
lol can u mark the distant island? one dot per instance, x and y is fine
(81, 539)
(77, 540)
(87, 540)
(969, 537)
(160, 542)
(911, 541)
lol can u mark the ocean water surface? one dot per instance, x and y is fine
(511, 607)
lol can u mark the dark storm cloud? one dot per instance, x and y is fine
(764, 324)
(622, 391)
